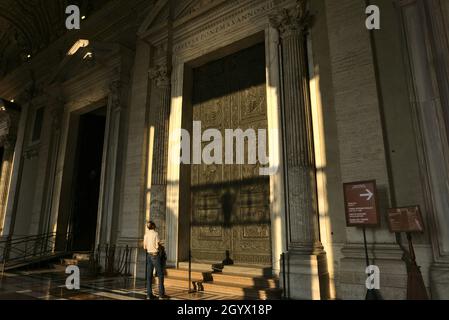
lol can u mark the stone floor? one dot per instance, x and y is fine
(49, 284)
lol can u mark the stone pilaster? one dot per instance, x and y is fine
(112, 162)
(160, 76)
(306, 257)
(56, 113)
(9, 122)
(8, 142)
(48, 152)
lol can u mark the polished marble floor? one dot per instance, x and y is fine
(49, 284)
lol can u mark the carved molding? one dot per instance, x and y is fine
(115, 93)
(294, 20)
(9, 123)
(160, 74)
(160, 49)
(31, 152)
(56, 118)
(244, 11)
(8, 141)
(196, 7)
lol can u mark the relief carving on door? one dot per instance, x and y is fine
(230, 206)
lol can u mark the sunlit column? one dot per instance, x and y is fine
(56, 113)
(160, 76)
(298, 136)
(8, 143)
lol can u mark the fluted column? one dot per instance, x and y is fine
(300, 164)
(56, 113)
(159, 113)
(306, 259)
(108, 207)
(8, 142)
(9, 120)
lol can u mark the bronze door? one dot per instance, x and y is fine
(230, 203)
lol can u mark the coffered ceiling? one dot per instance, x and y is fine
(28, 26)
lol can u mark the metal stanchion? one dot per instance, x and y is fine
(371, 294)
(416, 289)
(190, 245)
(284, 282)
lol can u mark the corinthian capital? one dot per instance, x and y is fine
(56, 117)
(8, 141)
(115, 95)
(160, 74)
(292, 20)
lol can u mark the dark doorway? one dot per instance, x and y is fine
(86, 179)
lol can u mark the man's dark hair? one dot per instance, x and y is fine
(151, 225)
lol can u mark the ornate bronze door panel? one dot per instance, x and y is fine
(230, 206)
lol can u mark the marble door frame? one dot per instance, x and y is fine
(182, 62)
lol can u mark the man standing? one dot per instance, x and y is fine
(151, 244)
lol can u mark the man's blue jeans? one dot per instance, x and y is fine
(154, 262)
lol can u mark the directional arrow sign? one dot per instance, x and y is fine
(361, 204)
(368, 194)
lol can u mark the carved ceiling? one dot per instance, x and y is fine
(28, 26)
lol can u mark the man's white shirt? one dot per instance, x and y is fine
(151, 241)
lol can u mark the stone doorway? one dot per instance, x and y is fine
(86, 180)
(230, 218)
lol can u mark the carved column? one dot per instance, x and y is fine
(306, 257)
(111, 163)
(8, 142)
(56, 114)
(159, 113)
(9, 121)
(440, 45)
(429, 68)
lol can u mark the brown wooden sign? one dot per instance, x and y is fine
(406, 219)
(361, 204)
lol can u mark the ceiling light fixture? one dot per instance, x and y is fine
(81, 43)
(6, 105)
(88, 56)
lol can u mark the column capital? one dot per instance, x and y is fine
(9, 120)
(291, 21)
(115, 95)
(160, 74)
(8, 141)
(56, 117)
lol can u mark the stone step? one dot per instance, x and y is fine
(69, 262)
(200, 267)
(81, 256)
(75, 262)
(246, 292)
(252, 271)
(183, 274)
(224, 278)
